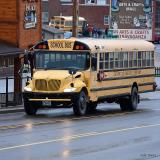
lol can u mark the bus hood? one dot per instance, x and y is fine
(48, 74)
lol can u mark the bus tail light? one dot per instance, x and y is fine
(79, 47)
(42, 45)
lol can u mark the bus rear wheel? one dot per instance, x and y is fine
(80, 104)
(133, 99)
(131, 103)
(29, 109)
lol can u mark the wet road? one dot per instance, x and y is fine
(108, 134)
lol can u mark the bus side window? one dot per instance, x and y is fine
(101, 61)
(134, 59)
(143, 59)
(130, 59)
(94, 62)
(111, 60)
(125, 58)
(147, 58)
(139, 59)
(106, 60)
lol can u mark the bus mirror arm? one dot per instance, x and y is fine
(72, 72)
(26, 53)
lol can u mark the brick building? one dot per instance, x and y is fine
(45, 15)
(96, 12)
(19, 21)
(20, 28)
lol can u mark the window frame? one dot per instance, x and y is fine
(125, 60)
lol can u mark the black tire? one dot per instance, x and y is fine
(123, 104)
(133, 99)
(130, 103)
(29, 110)
(91, 107)
(80, 104)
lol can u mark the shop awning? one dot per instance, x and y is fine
(9, 50)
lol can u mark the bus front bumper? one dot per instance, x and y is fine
(53, 99)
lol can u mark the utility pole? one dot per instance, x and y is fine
(75, 18)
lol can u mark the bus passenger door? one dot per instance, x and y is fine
(93, 77)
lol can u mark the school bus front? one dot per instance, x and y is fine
(60, 74)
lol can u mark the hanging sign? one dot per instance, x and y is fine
(30, 16)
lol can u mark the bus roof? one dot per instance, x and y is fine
(111, 45)
(68, 18)
(93, 44)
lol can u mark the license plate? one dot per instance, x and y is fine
(46, 103)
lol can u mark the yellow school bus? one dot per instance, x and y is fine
(79, 73)
(65, 23)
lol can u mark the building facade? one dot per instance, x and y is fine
(20, 28)
(96, 12)
(157, 20)
(45, 14)
(102, 14)
(19, 21)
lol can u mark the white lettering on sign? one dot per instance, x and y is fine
(145, 34)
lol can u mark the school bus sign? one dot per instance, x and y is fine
(60, 45)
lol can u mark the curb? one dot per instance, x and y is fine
(11, 110)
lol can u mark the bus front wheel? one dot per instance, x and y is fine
(80, 104)
(91, 107)
(29, 109)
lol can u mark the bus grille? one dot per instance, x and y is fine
(54, 85)
(51, 85)
(41, 85)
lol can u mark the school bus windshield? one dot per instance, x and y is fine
(62, 60)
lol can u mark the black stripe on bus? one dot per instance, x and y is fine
(113, 95)
(119, 87)
(128, 77)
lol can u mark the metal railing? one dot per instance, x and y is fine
(7, 95)
(157, 71)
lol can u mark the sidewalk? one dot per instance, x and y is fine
(12, 109)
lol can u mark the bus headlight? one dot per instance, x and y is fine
(69, 89)
(27, 89)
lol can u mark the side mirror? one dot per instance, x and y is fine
(72, 71)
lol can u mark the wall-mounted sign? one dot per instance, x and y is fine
(30, 16)
(132, 18)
